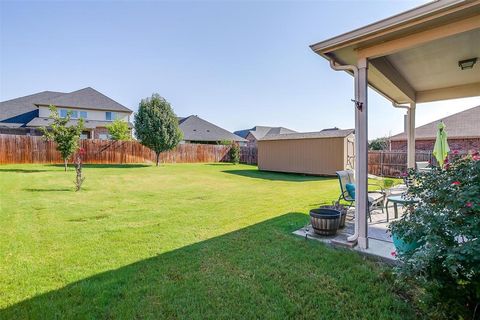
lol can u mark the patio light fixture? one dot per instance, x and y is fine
(467, 64)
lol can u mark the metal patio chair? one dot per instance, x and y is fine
(376, 198)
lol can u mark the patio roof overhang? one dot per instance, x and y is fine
(413, 56)
(409, 58)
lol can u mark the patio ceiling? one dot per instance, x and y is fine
(413, 56)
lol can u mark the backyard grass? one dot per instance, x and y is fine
(186, 241)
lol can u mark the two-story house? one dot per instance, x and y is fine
(25, 115)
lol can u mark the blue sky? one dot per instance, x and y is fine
(236, 64)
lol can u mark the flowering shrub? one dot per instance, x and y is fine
(446, 225)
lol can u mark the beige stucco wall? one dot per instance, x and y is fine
(44, 112)
(320, 156)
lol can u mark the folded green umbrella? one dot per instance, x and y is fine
(441, 149)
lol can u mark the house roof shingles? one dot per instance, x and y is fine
(23, 109)
(87, 98)
(196, 129)
(261, 131)
(465, 124)
(310, 135)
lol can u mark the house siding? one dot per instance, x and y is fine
(44, 112)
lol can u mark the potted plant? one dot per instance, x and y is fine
(325, 221)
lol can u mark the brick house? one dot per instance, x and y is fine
(25, 115)
(463, 130)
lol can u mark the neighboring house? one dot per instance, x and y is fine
(463, 131)
(197, 130)
(25, 115)
(258, 132)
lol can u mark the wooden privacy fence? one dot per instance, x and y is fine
(393, 163)
(30, 149)
(249, 155)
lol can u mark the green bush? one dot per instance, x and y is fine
(234, 153)
(446, 222)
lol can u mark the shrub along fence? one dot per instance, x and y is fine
(31, 149)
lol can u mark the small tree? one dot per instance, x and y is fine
(78, 169)
(65, 136)
(234, 153)
(156, 125)
(119, 130)
(379, 144)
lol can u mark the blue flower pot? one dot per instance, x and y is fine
(403, 246)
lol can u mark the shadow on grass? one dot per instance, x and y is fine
(48, 190)
(275, 176)
(22, 170)
(261, 271)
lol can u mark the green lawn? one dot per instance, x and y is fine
(186, 241)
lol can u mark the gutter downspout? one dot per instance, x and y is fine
(354, 70)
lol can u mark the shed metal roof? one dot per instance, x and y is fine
(311, 135)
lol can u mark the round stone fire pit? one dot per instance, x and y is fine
(324, 221)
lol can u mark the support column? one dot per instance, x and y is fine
(361, 157)
(411, 136)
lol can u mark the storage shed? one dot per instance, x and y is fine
(317, 153)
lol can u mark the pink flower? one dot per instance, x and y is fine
(455, 152)
(469, 204)
(456, 183)
(393, 253)
(404, 174)
(476, 157)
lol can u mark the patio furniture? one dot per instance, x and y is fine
(397, 200)
(422, 166)
(376, 198)
(325, 222)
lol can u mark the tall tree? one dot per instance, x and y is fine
(156, 125)
(65, 136)
(119, 130)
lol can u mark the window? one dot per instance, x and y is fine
(64, 113)
(110, 116)
(103, 136)
(84, 135)
(83, 114)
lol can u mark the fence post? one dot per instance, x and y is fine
(381, 162)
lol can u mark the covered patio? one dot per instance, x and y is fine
(422, 55)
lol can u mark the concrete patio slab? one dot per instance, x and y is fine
(380, 241)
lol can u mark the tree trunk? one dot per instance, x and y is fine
(158, 158)
(65, 164)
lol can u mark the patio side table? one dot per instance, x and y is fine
(397, 200)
